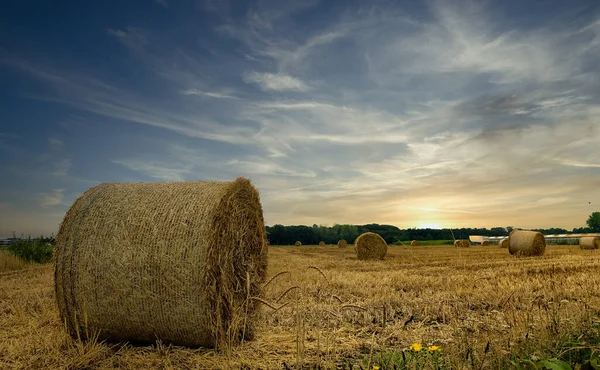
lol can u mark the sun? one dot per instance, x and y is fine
(430, 225)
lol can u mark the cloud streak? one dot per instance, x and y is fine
(275, 82)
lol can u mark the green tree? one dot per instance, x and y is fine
(593, 221)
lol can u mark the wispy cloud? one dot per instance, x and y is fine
(54, 198)
(207, 93)
(156, 169)
(275, 82)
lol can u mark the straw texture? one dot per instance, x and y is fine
(589, 242)
(321, 243)
(526, 243)
(370, 246)
(415, 243)
(503, 243)
(171, 261)
(298, 243)
(485, 243)
(342, 243)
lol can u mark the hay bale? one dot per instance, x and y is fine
(342, 243)
(589, 242)
(415, 243)
(298, 243)
(139, 262)
(321, 243)
(370, 246)
(526, 243)
(485, 243)
(503, 243)
(462, 243)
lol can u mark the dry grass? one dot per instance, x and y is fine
(332, 306)
(9, 262)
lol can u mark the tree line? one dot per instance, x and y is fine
(311, 235)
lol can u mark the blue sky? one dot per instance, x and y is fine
(432, 113)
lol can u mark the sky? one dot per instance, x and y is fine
(444, 113)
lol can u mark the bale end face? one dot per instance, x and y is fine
(526, 243)
(503, 243)
(370, 246)
(485, 243)
(342, 243)
(415, 243)
(298, 243)
(321, 243)
(589, 242)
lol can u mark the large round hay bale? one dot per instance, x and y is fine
(298, 243)
(503, 243)
(342, 243)
(321, 243)
(415, 243)
(457, 243)
(139, 262)
(485, 243)
(526, 243)
(370, 246)
(465, 243)
(589, 242)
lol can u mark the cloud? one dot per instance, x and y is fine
(207, 93)
(156, 169)
(54, 198)
(275, 82)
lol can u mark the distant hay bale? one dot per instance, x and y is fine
(298, 243)
(321, 243)
(485, 243)
(370, 246)
(503, 243)
(589, 242)
(526, 243)
(172, 261)
(457, 243)
(342, 243)
(415, 243)
(465, 243)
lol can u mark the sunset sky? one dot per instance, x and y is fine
(415, 114)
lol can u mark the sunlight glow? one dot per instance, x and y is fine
(429, 225)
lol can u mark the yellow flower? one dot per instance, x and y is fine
(416, 347)
(433, 348)
(375, 367)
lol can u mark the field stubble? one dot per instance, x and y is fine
(333, 309)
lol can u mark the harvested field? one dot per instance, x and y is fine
(8, 262)
(339, 309)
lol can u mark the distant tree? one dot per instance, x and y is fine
(593, 221)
